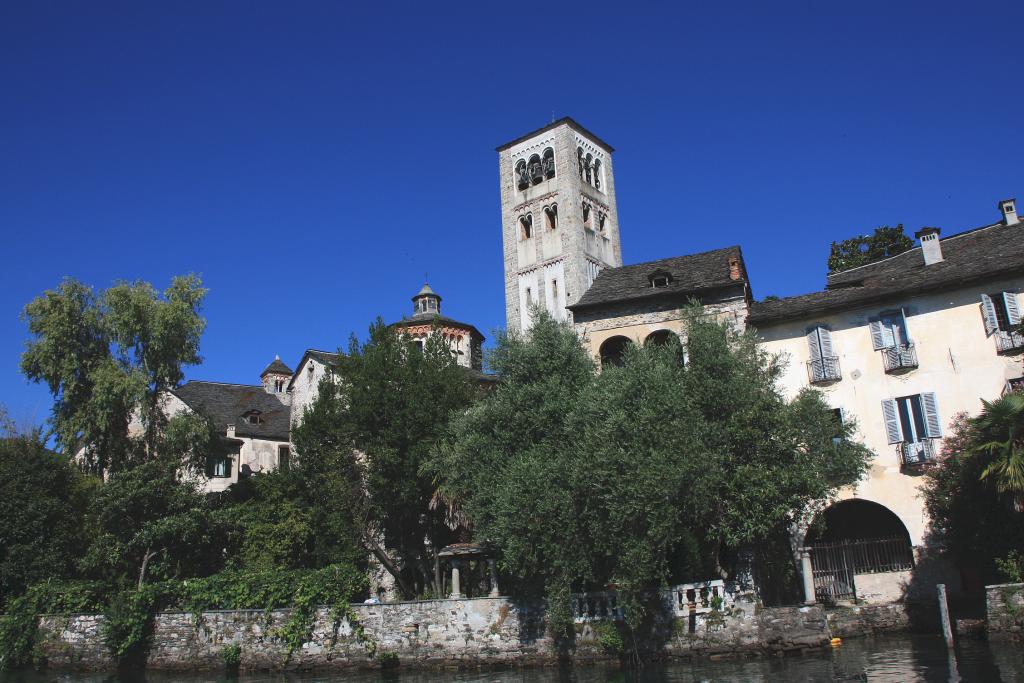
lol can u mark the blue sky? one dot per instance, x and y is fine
(313, 160)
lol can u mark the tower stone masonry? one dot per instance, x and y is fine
(560, 224)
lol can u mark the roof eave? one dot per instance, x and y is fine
(565, 120)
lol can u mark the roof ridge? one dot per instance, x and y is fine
(227, 384)
(673, 258)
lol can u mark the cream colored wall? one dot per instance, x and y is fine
(956, 361)
(305, 388)
(259, 454)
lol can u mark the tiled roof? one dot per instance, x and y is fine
(276, 367)
(972, 256)
(689, 275)
(227, 404)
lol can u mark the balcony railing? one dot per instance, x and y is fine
(1009, 341)
(913, 453)
(899, 357)
(824, 369)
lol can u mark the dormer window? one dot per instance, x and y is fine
(253, 417)
(660, 279)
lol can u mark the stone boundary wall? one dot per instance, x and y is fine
(444, 633)
(1005, 608)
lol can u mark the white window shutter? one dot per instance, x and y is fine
(826, 342)
(812, 343)
(906, 329)
(877, 334)
(930, 408)
(988, 312)
(1012, 308)
(892, 421)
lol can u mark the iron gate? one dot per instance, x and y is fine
(835, 564)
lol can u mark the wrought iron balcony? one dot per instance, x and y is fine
(1009, 341)
(899, 357)
(824, 369)
(916, 453)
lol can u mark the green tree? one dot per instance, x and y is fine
(864, 249)
(999, 433)
(969, 518)
(42, 496)
(624, 477)
(108, 357)
(147, 521)
(364, 442)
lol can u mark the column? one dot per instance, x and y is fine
(807, 570)
(456, 585)
(493, 566)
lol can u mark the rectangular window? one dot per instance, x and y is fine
(218, 467)
(284, 456)
(554, 291)
(823, 365)
(1001, 311)
(838, 415)
(889, 330)
(529, 296)
(912, 419)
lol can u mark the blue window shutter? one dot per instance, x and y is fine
(930, 408)
(877, 335)
(1012, 308)
(988, 313)
(826, 342)
(892, 421)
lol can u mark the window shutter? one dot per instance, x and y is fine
(892, 421)
(1012, 309)
(826, 342)
(906, 329)
(877, 334)
(930, 408)
(812, 343)
(988, 312)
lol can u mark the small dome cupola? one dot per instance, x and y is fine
(275, 376)
(426, 302)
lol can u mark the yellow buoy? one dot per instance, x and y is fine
(836, 642)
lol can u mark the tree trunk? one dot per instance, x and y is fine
(388, 564)
(145, 562)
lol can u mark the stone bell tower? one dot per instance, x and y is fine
(559, 221)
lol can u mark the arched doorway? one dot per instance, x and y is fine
(859, 549)
(613, 351)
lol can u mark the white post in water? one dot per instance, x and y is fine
(807, 569)
(947, 626)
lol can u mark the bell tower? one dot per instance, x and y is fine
(559, 221)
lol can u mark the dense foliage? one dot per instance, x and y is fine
(641, 473)
(982, 527)
(864, 249)
(365, 440)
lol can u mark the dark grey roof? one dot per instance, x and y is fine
(555, 124)
(690, 274)
(227, 404)
(428, 318)
(276, 367)
(968, 257)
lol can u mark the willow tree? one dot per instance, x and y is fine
(109, 356)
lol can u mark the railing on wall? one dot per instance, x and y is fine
(1009, 341)
(836, 564)
(918, 452)
(899, 357)
(825, 369)
(684, 599)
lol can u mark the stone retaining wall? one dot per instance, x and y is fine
(1005, 607)
(435, 633)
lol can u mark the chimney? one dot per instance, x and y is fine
(735, 272)
(1009, 209)
(931, 249)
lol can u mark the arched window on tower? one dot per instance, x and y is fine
(551, 216)
(601, 218)
(579, 159)
(588, 166)
(597, 173)
(526, 226)
(522, 177)
(536, 173)
(548, 163)
(587, 217)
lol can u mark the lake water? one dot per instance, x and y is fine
(901, 659)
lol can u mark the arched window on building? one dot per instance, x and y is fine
(597, 173)
(613, 351)
(551, 216)
(548, 163)
(659, 338)
(526, 226)
(522, 177)
(588, 167)
(580, 160)
(536, 173)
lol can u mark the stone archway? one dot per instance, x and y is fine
(613, 350)
(858, 550)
